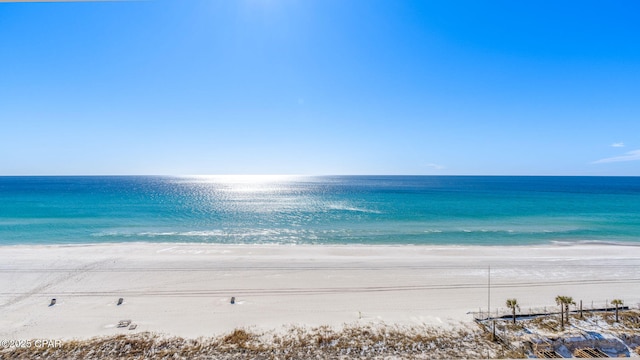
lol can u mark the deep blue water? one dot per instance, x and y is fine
(320, 210)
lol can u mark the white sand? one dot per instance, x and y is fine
(185, 289)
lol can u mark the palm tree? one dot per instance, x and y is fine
(513, 305)
(564, 302)
(559, 302)
(568, 301)
(617, 302)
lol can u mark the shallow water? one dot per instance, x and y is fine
(320, 210)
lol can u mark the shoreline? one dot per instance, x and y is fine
(549, 244)
(185, 289)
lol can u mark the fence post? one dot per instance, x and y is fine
(493, 333)
(581, 317)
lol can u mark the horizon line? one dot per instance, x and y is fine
(306, 175)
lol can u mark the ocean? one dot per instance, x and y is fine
(420, 210)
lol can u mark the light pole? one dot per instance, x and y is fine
(489, 292)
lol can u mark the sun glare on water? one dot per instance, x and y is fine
(245, 183)
(244, 179)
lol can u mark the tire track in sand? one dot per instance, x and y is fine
(70, 274)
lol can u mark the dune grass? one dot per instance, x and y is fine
(360, 342)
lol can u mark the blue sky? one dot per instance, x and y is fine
(320, 87)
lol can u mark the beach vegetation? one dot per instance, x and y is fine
(513, 305)
(564, 302)
(550, 324)
(296, 342)
(617, 303)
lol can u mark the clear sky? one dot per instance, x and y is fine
(320, 87)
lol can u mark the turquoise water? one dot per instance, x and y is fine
(439, 210)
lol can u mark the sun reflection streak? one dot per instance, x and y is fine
(244, 183)
(244, 179)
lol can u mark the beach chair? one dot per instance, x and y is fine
(53, 302)
(124, 323)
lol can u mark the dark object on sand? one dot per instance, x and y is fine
(124, 323)
(233, 300)
(120, 301)
(53, 302)
(133, 326)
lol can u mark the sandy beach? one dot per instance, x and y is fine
(185, 289)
